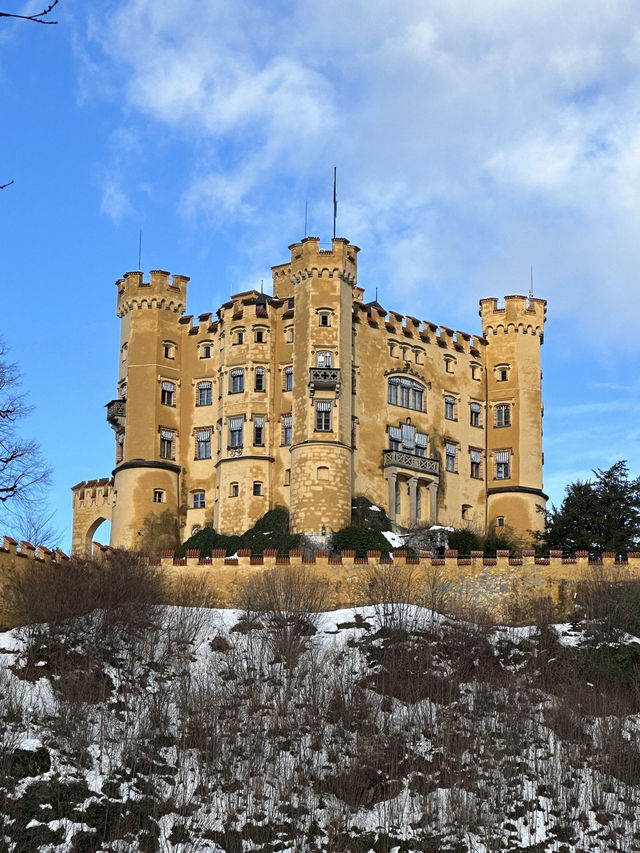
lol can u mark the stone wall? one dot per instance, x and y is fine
(475, 582)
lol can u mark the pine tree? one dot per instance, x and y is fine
(597, 515)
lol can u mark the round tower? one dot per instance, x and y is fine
(145, 416)
(321, 282)
(515, 334)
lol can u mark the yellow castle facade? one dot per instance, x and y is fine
(311, 397)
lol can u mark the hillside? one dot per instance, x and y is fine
(390, 728)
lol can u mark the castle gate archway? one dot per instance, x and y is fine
(93, 502)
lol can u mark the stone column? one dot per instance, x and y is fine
(413, 483)
(433, 494)
(391, 480)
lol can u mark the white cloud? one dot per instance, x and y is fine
(474, 138)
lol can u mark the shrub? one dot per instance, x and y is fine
(363, 515)
(360, 540)
(270, 531)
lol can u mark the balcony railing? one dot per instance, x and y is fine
(116, 412)
(324, 377)
(401, 459)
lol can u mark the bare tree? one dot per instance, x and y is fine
(38, 18)
(23, 473)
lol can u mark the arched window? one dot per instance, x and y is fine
(405, 392)
(324, 359)
(322, 472)
(450, 408)
(198, 500)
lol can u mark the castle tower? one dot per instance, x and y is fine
(320, 282)
(145, 417)
(515, 334)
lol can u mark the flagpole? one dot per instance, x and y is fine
(335, 199)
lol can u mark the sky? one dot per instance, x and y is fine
(474, 141)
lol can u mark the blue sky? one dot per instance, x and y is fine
(472, 140)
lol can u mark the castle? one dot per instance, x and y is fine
(310, 397)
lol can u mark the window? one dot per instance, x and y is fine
(476, 463)
(198, 500)
(205, 350)
(158, 496)
(169, 349)
(475, 371)
(239, 338)
(234, 490)
(287, 476)
(502, 372)
(204, 394)
(451, 457)
(392, 350)
(503, 415)
(324, 359)
(405, 438)
(466, 512)
(422, 441)
(406, 393)
(259, 337)
(235, 431)
(450, 408)
(123, 351)
(322, 473)
(503, 464)
(203, 444)
(286, 429)
(323, 416)
(287, 379)
(166, 444)
(259, 379)
(167, 394)
(475, 410)
(288, 335)
(500, 521)
(323, 319)
(123, 391)
(449, 363)
(237, 381)
(257, 488)
(258, 430)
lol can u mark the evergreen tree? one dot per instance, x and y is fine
(597, 515)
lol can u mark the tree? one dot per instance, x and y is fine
(23, 474)
(38, 18)
(597, 515)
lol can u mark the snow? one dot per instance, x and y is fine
(394, 539)
(498, 784)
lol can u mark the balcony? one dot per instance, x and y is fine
(421, 464)
(116, 413)
(324, 377)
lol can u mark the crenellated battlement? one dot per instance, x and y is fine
(161, 291)
(519, 313)
(93, 492)
(309, 260)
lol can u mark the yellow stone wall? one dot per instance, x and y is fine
(317, 308)
(466, 585)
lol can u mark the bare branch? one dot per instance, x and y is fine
(37, 19)
(4, 186)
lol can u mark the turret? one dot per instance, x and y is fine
(514, 334)
(321, 283)
(145, 415)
